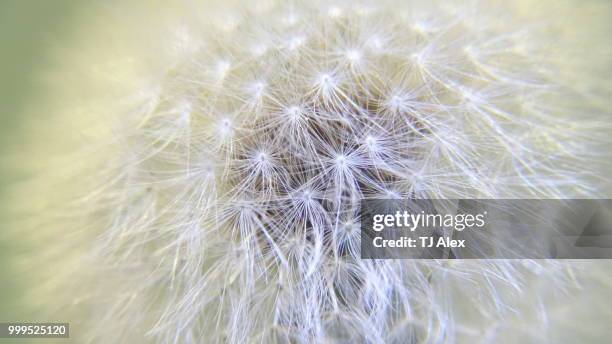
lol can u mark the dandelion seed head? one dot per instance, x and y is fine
(224, 206)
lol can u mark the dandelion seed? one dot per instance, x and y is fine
(225, 127)
(326, 84)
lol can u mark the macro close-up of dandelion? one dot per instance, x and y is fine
(192, 172)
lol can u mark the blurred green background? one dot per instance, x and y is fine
(29, 31)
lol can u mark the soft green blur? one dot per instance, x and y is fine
(29, 30)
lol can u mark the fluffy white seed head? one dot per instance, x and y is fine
(220, 208)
